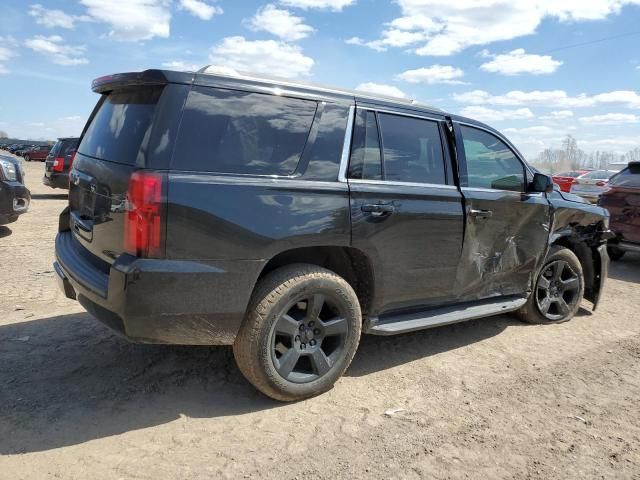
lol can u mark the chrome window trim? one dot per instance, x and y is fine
(402, 184)
(401, 114)
(493, 190)
(346, 145)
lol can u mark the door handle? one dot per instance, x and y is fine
(475, 213)
(378, 209)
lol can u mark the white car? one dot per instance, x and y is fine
(591, 185)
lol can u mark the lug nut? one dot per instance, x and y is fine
(302, 328)
(311, 323)
(312, 343)
(303, 345)
(316, 331)
(297, 338)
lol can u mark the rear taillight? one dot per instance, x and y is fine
(601, 183)
(143, 222)
(58, 164)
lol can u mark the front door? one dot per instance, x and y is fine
(507, 229)
(406, 214)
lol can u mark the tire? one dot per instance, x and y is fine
(615, 253)
(27, 158)
(559, 288)
(288, 362)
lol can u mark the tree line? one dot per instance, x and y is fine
(570, 157)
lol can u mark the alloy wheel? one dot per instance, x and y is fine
(557, 290)
(308, 338)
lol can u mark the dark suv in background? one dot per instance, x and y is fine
(622, 199)
(14, 196)
(287, 219)
(59, 161)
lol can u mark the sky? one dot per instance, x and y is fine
(535, 70)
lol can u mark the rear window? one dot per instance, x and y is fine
(121, 125)
(228, 131)
(629, 177)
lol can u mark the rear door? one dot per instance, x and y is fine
(507, 229)
(406, 213)
(124, 134)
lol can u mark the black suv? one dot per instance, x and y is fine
(287, 219)
(14, 196)
(59, 162)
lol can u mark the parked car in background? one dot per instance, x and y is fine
(59, 162)
(15, 146)
(622, 199)
(287, 219)
(591, 185)
(14, 196)
(39, 152)
(566, 179)
(21, 151)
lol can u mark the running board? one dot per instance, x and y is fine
(404, 323)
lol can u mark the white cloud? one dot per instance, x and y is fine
(280, 22)
(485, 114)
(550, 98)
(201, 9)
(381, 89)
(433, 74)
(54, 18)
(557, 115)
(518, 61)
(335, 5)
(261, 56)
(182, 66)
(610, 119)
(54, 48)
(448, 27)
(8, 47)
(536, 130)
(132, 20)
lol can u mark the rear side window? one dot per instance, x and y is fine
(411, 149)
(121, 126)
(56, 148)
(629, 177)
(227, 131)
(366, 161)
(490, 162)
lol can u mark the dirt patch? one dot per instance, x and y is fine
(491, 398)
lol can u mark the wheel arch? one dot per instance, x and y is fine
(350, 263)
(572, 241)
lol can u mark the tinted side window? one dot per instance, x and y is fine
(229, 131)
(366, 160)
(326, 152)
(56, 148)
(121, 126)
(411, 149)
(490, 162)
(627, 178)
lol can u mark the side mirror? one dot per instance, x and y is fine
(541, 183)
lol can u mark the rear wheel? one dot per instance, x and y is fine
(558, 289)
(615, 253)
(301, 332)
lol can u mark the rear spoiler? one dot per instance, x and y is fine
(111, 82)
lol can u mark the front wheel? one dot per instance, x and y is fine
(558, 290)
(27, 158)
(300, 334)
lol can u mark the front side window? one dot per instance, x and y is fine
(229, 131)
(490, 162)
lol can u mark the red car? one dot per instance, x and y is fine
(37, 153)
(622, 199)
(566, 179)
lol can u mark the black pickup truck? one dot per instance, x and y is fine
(287, 219)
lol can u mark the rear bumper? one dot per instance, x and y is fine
(159, 301)
(14, 201)
(56, 180)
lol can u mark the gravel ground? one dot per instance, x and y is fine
(491, 398)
